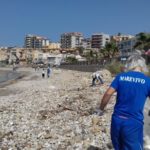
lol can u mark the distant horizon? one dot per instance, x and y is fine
(53, 18)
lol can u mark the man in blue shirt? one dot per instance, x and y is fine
(132, 87)
(48, 72)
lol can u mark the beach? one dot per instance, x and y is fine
(54, 113)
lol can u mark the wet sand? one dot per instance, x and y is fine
(8, 77)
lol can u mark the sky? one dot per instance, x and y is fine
(51, 18)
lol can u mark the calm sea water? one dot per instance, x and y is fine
(8, 75)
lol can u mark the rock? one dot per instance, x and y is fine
(44, 114)
(2, 135)
(109, 145)
(91, 147)
(85, 82)
(4, 148)
(95, 120)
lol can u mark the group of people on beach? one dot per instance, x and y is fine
(48, 71)
(45, 71)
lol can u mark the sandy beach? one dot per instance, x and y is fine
(54, 113)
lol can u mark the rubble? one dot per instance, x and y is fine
(55, 113)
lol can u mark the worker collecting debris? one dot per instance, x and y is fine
(133, 88)
(96, 77)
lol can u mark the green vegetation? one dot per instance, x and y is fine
(148, 70)
(92, 56)
(115, 67)
(3, 63)
(71, 59)
(110, 50)
(80, 50)
(143, 42)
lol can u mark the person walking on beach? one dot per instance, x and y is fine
(48, 72)
(133, 88)
(96, 77)
(43, 73)
(35, 67)
(14, 66)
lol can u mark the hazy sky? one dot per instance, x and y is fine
(51, 18)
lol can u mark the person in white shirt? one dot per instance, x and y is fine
(95, 77)
(43, 73)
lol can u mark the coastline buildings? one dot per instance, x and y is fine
(120, 37)
(53, 46)
(33, 41)
(3, 54)
(86, 43)
(38, 47)
(71, 40)
(13, 54)
(125, 44)
(126, 47)
(99, 40)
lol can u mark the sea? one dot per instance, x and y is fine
(7, 75)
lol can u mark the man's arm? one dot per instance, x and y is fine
(106, 97)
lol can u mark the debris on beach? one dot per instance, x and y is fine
(55, 113)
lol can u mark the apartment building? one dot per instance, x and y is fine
(53, 46)
(118, 38)
(126, 47)
(71, 40)
(3, 54)
(99, 40)
(33, 41)
(86, 43)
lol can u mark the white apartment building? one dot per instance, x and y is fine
(71, 40)
(34, 41)
(99, 40)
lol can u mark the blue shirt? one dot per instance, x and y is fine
(132, 90)
(48, 70)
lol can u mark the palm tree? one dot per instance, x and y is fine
(110, 50)
(89, 56)
(92, 56)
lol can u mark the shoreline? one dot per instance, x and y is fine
(8, 76)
